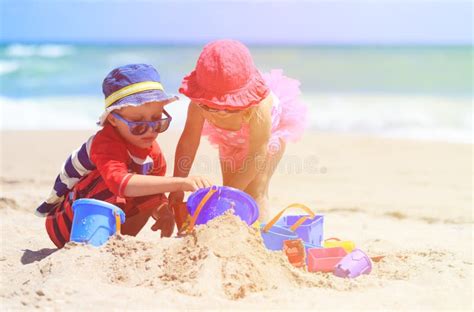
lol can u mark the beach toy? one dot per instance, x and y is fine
(181, 215)
(295, 252)
(274, 237)
(336, 242)
(208, 203)
(308, 227)
(95, 221)
(324, 259)
(353, 265)
(308, 246)
(311, 230)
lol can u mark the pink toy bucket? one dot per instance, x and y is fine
(324, 259)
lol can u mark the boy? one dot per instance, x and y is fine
(122, 163)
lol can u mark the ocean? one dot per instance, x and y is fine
(403, 92)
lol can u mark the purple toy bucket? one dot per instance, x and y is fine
(214, 201)
(308, 227)
(353, 265)
(274, 237)
(310, 231)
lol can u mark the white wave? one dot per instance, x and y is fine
(70, 112)
(49, 113)
(54, 51)
(434, 118)
(20, 50)
(439, 119)
(7, 67)
(44, 50)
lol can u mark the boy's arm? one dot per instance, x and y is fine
(110, 158)
(157, 183)
(142, 185)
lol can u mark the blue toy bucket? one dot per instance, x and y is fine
(207, 203)
(95, 221)
(310, 231)
(275, 236)
(307, 227)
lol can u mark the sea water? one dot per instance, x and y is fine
(408, 92)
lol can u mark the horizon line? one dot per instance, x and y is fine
(250, 43)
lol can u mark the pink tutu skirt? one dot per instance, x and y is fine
(289, 120)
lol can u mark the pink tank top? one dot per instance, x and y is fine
(234, 145)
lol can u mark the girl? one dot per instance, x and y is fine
(249, 117)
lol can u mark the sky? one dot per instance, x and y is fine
(252, 21)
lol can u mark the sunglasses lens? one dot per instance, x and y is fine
(162, 125)
(139, 129)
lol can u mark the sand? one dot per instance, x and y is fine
(410, 201)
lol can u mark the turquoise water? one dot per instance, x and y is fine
(423, 92)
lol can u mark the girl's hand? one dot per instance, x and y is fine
(164, 218)
(191, 184)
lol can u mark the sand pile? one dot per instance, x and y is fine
(231, 257)
(223, 259)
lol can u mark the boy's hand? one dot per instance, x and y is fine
(194, 183)
(176, 198)
(164, 218)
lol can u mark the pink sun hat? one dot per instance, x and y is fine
(225, 77)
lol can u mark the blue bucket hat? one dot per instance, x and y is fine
(133, 85)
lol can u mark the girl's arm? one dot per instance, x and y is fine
(187, 147)
(188, 142)
(260, 132)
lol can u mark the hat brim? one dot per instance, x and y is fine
(250, 95)
(139, 99)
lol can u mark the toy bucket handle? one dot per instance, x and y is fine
(118, 223)
(332, 238)
(297, 223)
(203, 201)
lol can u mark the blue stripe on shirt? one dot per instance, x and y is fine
(84, 158)
(70, 170)
(60, 188)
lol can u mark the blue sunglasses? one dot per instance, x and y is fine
(141, 127)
